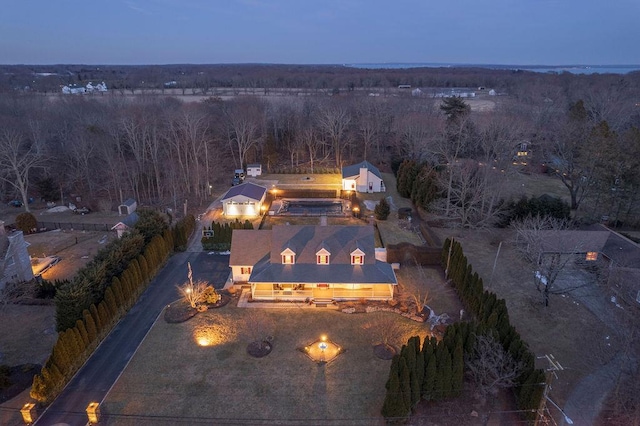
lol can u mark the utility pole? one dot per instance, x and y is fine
(446, 271)
(495, 262)
(550, 374)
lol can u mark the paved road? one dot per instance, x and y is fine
(102, 370)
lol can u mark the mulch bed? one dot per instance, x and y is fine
(20, 377)
(383, 351)
(178, 312)
(181, 311)
(259, 349)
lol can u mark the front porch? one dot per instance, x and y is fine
(337, 292)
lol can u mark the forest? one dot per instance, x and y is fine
(160, 149)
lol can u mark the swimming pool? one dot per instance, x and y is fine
(312, 207)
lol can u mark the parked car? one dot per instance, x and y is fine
(15, 203)
(82, 210)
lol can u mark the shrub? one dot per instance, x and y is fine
(5, 372)
(26, 222)
(47, 289)
(382, 209)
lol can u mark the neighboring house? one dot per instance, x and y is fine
(304, 262)
(244, 200)
(362, 177)
(126, 224)
(74, 89)
(15, 263)
(254, 170)
(128, 207)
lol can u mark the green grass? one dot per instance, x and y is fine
(171, 375)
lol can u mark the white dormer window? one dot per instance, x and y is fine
(288, 257)
(322, 256)
(357, 257)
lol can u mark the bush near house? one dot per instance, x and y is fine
(26, 222)
(382, 209)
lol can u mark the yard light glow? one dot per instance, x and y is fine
(203, 341)
(28, 412)
(323, 337)
(93, 412)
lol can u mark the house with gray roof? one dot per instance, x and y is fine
(15, 263)
(305, 262)
(244, 200)
(362, 177)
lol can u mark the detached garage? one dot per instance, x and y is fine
(244, 200)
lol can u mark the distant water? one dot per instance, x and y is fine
(573, 69)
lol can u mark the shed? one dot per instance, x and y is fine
(126, 224)
(254, 170)
(128, 207)
(246, 199)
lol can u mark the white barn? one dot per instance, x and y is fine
(362, 177)
(244, 200)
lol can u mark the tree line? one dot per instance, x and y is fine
(583, 130)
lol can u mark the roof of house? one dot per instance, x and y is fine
(619, 249)
(129, 221)
(128, 202)
(255, 248)
(249, 246)
(354, 170)
(573, 241)
(254, 165)
(249, 190)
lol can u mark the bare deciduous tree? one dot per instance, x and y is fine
(259, 327)
(19, 157)
(543, 245)
(245, 122)
(333, 120)
(193, 292)
(491, 366)
(385, 329)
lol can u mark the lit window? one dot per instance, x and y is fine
(323, 259)
(245, 270)
(357, 259)
(592, 255)
(288, 259)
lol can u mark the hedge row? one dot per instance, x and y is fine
(76, 344)
(491, 314)
(440, 372)
(222, 233)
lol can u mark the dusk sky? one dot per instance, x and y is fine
(514, 32)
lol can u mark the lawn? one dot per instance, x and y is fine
(270, 221)
(174, 378)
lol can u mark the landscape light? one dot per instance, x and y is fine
(28, 412)
(93, 412)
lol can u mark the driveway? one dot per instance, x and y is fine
(101, 371)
